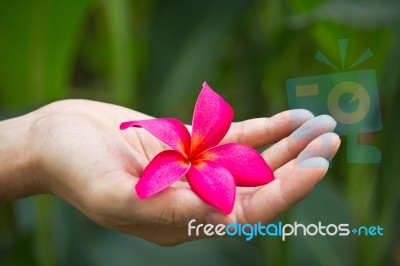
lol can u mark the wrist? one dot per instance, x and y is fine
(19, 175)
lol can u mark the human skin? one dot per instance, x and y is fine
(73, 149)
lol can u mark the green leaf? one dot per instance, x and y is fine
(37, 48)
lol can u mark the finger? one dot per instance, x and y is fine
(264, 131)
(293, 182)
(316, 148)
(288, 148)
(324, 146)
(275, 198)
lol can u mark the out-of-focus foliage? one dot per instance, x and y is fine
(153, 56)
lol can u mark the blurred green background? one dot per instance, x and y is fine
(153, 56)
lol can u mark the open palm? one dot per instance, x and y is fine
(86, 160)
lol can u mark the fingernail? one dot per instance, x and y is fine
(299, 117)
(324, 148)
(315, 127)
(315, 162)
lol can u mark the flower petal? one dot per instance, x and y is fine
(166, 168)
(169, 130)
(245, 164)
(212, 118)
(214, 184)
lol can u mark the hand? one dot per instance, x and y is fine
(82, 157)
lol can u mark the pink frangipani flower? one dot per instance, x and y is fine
(212, 171)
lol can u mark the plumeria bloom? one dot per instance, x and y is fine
(213, 171)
